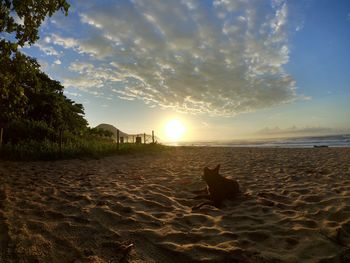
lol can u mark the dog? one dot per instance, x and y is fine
(218, 188)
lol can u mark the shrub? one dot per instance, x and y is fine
(27, 130)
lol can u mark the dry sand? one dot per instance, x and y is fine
(296, 208)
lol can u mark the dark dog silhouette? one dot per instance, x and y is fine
(218, 188)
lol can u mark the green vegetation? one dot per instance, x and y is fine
(23, 87)
(48, 150)
(37, 121)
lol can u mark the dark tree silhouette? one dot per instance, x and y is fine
(19, 74)
(32, 95)
(32, 13)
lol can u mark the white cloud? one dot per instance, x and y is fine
(85, 19)
(96, 93)
(74, 94)
(95, 46)
(44, 46)
(81, 67)
(57, 62)
(101, 74)
(82, 82)
(223, 60)
(64, 42)
(280, 19)
(47, 39)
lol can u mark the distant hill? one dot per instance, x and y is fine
(111, 128)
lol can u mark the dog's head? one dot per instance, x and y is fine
(210, 175)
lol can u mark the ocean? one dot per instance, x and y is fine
(298, 142)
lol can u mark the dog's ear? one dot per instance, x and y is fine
(206, 170)
(216, 169)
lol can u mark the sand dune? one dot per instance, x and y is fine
(296, 208)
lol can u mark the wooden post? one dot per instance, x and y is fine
(60, 140)
(144, 138)
(1, 133)
(118, 139)
(152, 136)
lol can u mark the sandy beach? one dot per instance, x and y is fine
(135, 208)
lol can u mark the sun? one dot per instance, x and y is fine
(174, 130)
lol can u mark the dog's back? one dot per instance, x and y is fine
(219, 187)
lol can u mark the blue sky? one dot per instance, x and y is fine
(226, 69)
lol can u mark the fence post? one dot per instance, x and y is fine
(144, 138)
(1, 133)
(60, 140)
(117, 139)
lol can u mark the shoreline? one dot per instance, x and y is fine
(259, 147)
(341, 140)
(296, 207)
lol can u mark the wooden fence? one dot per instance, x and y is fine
(140, 138)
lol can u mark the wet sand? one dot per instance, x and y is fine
(135, 208)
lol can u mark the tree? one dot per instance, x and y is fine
(41, 98)
(14, 34)
(17, 74)
(32, 13)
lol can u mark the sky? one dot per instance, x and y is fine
(227, 69)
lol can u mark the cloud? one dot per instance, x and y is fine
(64, 42)
(50, 51)
(45, 45)
(98, 76)
(74, 94)
(223, 58)
(82, 82)
(85, 19)
(96, 45)
(57, 62)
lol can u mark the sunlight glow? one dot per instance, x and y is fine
(174, 130)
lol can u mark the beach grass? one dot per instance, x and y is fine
(80, 148)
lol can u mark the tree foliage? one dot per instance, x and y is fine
(16, 75)
(16, 70)
(29, 94)
(32, 13)
(30, 101)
